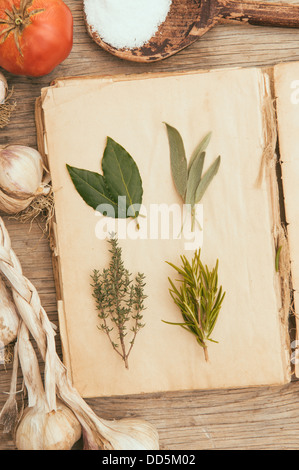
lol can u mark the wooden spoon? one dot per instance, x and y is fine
(188, 20)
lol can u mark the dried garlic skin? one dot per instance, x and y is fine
(41, 430)
(9, 320)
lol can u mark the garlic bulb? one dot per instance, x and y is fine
(43, 430)
(9, 320)
(21, 171)
(21, 177)
(3, 88)
(41, 427)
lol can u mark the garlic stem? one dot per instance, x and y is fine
(9, 412)
(30, 369)
(50, 363)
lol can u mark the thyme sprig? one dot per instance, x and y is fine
(119, 302)
(198, 297)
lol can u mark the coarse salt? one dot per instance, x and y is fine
(126, 23)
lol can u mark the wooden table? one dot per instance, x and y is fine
(252, 418)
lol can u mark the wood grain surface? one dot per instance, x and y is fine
(254, 418)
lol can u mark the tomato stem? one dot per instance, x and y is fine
(16, 21)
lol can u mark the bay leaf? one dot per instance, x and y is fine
(206, 180)
(122, 176)
(93, 190)
(178, 160)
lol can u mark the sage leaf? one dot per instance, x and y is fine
(92, 188)
(188, 178)
(194, 178)
(178, 160)
(201, 147)
(206, 180)
(122, 176)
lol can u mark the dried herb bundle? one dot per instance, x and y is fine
(188, 179)
(119, 302)
(198, 298)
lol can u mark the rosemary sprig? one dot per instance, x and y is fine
(198, 297)
(119, 302)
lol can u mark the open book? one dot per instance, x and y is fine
(240, 224)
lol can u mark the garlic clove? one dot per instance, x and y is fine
(62, 429)
(9, 320)
(3, 88)
(41, 430)
(11, 205)
(21, 171)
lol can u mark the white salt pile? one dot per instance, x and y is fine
(126, 23)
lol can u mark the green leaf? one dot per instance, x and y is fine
(122, 176)
(178, 160)
(206, 180)
(194, 178)
(177, 324)
(185, 326)
(118, 192)
(202, 146)
(92, 188)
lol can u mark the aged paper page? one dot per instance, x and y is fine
(286, 78)
(237, 228)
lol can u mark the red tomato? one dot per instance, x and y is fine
(35, 35)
